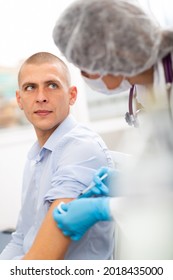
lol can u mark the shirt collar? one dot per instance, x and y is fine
(59, 132)
(37, 153)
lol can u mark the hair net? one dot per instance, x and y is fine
(110, 36)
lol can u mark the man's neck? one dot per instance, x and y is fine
(43, 136)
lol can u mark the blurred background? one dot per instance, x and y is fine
(26, 28)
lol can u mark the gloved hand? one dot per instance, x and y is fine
(107, 186)
(81, 214)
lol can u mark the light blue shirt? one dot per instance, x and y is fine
(62, 168)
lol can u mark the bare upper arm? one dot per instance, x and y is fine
(50, 243)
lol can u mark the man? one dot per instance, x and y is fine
(59, 166)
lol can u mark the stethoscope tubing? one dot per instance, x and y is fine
(130, 116)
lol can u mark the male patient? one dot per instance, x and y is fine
(59, 166)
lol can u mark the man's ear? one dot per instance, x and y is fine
(18, 98)
(73, 94)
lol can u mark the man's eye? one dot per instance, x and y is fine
(53, 86)
(29, 88)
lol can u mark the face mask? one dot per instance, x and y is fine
(99, 85)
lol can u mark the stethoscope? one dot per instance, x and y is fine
(130, 116)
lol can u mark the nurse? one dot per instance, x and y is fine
(117, 47)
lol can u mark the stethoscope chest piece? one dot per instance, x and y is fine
(131, 119)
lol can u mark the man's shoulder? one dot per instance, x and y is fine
(83, 134)
(82, 144)
(79, 139)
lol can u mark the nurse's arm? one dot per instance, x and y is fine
(50, 243)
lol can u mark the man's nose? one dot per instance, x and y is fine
(41, 96)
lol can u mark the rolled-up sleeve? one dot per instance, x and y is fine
(78, 160)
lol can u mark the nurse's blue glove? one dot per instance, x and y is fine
(81, 214)
(106, 186)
